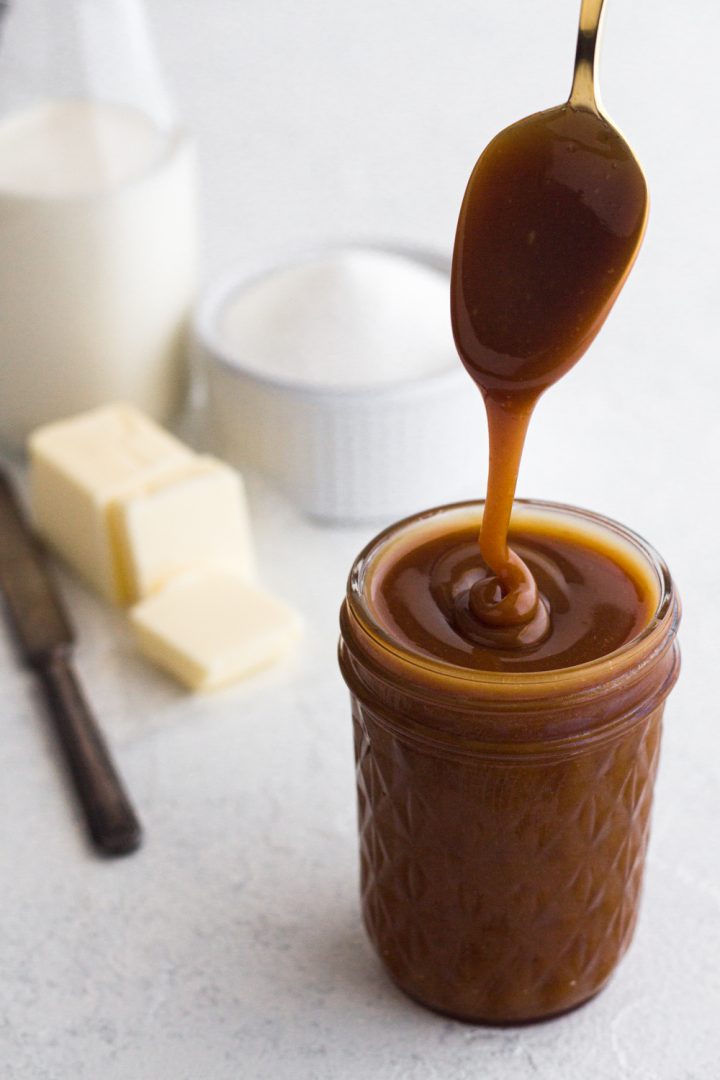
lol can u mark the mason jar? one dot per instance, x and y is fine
(503, 818)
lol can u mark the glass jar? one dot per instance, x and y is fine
(97, 216)
(504, 818)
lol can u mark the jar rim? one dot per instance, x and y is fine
(600, 668)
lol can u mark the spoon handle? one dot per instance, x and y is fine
(583, 94)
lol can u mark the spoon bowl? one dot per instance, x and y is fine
(550, 226)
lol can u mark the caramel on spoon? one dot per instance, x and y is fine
(550, 226)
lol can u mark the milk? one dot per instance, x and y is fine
(97, 260)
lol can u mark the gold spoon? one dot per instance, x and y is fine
(549, 229)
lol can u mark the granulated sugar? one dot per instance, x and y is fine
(347, 319)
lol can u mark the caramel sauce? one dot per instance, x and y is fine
(503, 816)
(549, 229)
(598, 600)
(550, 226)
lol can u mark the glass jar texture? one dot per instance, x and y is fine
(504, 819)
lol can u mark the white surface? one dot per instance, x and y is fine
(231, 947)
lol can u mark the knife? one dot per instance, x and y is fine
(46, 640)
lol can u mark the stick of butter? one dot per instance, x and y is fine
(212, 627)
(81, 468)
(197, 517)
(129, 506)
(143, 518)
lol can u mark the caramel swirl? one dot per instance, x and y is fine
(485, 611)
(548, 231)
(572, 601)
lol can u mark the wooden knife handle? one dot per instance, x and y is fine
(111, 820)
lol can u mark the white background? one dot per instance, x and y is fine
(231, 945)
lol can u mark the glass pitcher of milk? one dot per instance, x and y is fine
(97, 216)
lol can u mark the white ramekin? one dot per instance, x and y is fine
(355, 454)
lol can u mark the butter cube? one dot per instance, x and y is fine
(195, 518)
(80, 468)
(211, 628)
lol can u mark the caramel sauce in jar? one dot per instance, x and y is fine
(508, 663)
(504, 804)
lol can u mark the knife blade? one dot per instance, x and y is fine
(46, 639)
